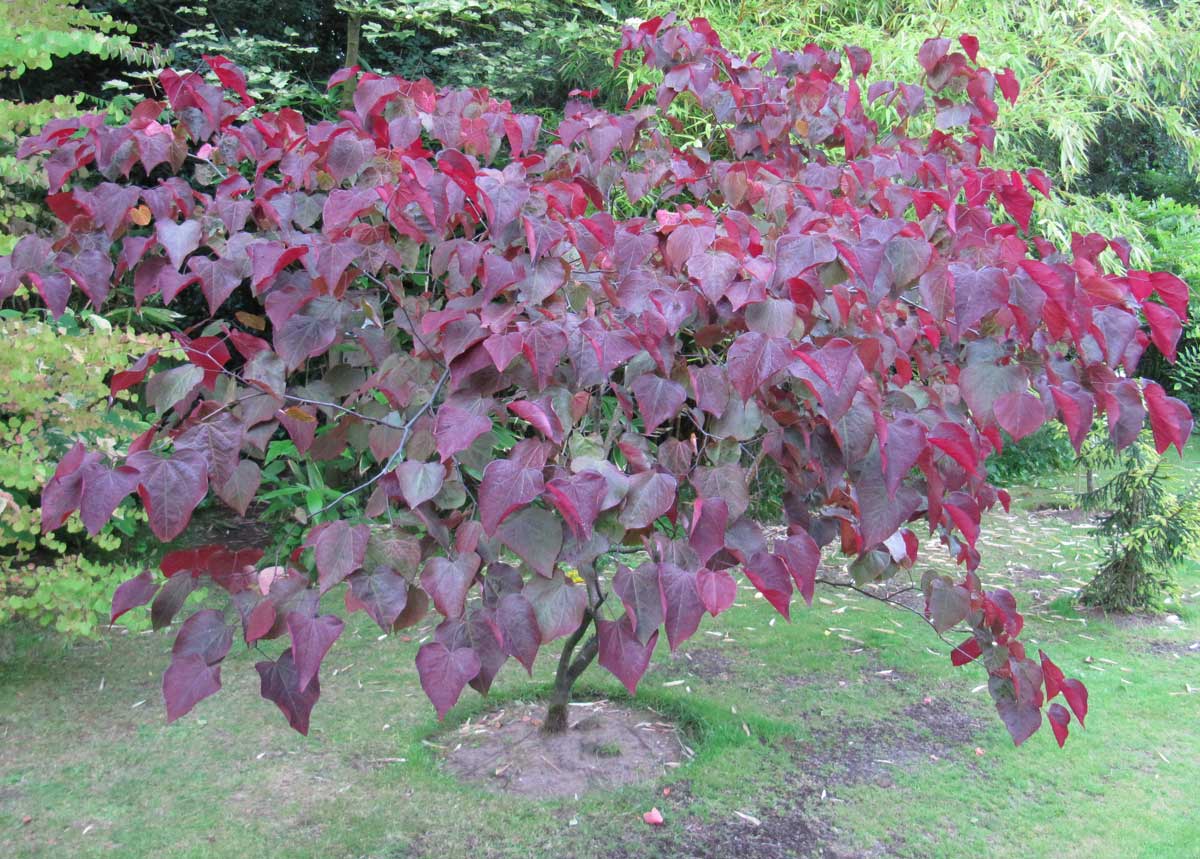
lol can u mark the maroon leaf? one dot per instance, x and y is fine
(339, 549)
(178, 240)
(187, 681)
(659, 400)
(651, 494)
(683, 608)
(622, 653)
(280, 682)
(133, 593)
(948, 604)
(444, 673)
(170, 489)
(801, 555)
(382, 593)
(1019, 414)
(456, 429)
(1059, 718)
(558, 604)
(579, 499)
(520, 635)
(769, 574)
(447, 582)
(241, 486)
(536, 536)
(103, 491)
(419, 481)
(754, 359)
(204, 634)
(311, 639)
(640, 590)
(506, 486)
(717, 590)
(170, 600)
(707, 535)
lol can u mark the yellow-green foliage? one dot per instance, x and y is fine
(53, 393)
(33, 34)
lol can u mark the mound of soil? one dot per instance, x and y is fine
(605, 745)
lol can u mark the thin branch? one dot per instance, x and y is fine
(399, 452)
(889, 601)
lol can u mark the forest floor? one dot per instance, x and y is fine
(845, 733)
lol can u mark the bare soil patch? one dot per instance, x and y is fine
(797, 824)
(604, 746)
(1176, 649)
(1071, 515)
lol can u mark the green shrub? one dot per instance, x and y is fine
(1146, 530)
(51, 396)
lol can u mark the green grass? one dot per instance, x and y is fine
(789, 722)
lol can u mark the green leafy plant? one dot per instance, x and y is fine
(1146, 529)
(52, 397)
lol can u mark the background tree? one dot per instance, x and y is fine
(1146, 530)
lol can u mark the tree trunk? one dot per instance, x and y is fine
(353, 31)
(568, 672)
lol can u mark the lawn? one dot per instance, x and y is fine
(843, 734)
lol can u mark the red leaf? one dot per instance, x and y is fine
(802, 556)
(341, 76)
(1077, 696)
(683, 608)
(338, 549)
(717, 590)
(382, 593)
(133, 593)
(769, 574)
(204, 634)
(311, 639)
(1052, 675)
(1170, 419)
(641, 592)
(187, 681)
(520, 635)
(1009, 85)
(1165, 328)
(968, 651)
(1019, 414)
(230, 76)
(651, 494)
(456, 429)
(134, 374)
(280, 683)
(659, 400)
(536, 536)
(707, 534)
(447, 582)
(506, 486)
(622, 653)
(178, 240)
(170, 489)
(559, 605)
(1059, 719)
(444, 673)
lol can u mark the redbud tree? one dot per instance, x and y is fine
(548, 352)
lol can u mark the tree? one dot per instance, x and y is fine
(1145, 529)
(538, 351)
